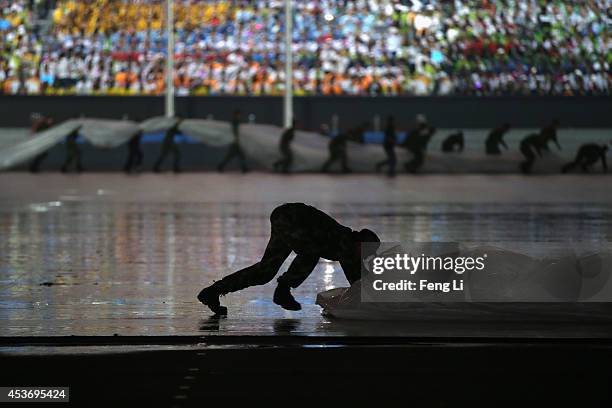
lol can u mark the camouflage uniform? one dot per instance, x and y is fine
(587, 156)
(234, 149)
(337, 152)
(308, 232)
(495, 139)
(537, 143)
(453, 141)
(389, 143)
(169, 146)
(284, 164)
(135, 154)
(73, 153)
(416, 144)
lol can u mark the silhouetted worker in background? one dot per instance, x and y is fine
(588, 154)
(417, 145)
(389, 143)
(234, 149)
(284, 163)
(413, 135)
(311, 234)
(358, 134)
(40, 124)
(496, 138)
(549, 134)
(454, 142)
(135, 155)
(529, 147)
(169, 145)
(337, 152)
(73, 153)
(536, 143)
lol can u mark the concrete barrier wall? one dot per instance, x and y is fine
(311, 112)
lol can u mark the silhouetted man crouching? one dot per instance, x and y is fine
(587, 156)
(308, 232)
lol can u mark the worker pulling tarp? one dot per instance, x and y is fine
(307, 151)
(28, 149)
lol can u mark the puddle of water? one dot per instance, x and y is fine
(86, 267)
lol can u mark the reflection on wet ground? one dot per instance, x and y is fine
(76, 264)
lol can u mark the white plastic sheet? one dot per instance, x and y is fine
(104, 133)
(212, 133)
(511, 282)
(310, 149)
(157, 124)
(33, 146)
(260, 143)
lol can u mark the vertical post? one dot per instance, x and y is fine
(376, 123)
(169, 58)
(335, 124)
(288, 98)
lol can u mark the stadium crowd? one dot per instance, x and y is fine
(341, 47)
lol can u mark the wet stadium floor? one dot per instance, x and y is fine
(107, 254)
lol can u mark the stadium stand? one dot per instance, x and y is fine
(341, 47)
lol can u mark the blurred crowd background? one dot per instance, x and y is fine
(341, 47)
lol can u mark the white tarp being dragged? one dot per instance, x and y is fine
(28, 149)
(102, 133)
(157, 124)
(506, 290)
(310, 149)
(260, 143)
(106, 133)
(212, 133)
